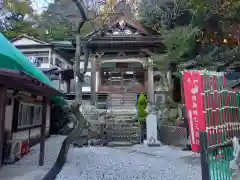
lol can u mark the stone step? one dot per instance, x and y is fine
(119, 144)
(129, 104)
(123, 113)
(127, 129)
(125, 139)
(119, 121)
(122, 103)
(132, 105)
(129, 101)
(123, 97)
(133, 99)
(122, 116)
(122, 94)
(125, 134)
(126, 126)
(120, 108)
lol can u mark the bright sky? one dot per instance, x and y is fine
(40, 4)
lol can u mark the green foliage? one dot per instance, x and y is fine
(179, 43)
(19, 7)
(190, 28)
(87, 28)
(59, 31)
(47, 26)
(142, 105)
(59, 26)
(174, 21)
(19, 19)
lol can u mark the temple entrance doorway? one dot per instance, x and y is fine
(124, 81)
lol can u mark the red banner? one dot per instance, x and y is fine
(193, 93)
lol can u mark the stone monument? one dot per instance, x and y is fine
(235, 163)
(152, 129)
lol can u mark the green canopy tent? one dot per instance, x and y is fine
(12, 58)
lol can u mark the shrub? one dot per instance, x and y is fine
(142, 105)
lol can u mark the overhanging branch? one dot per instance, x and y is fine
(80, 6)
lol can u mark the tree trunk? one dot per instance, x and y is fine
(77, 71)
(77, 117)
(79, 79)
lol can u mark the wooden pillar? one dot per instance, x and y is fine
(3, 103)
(50, 57)
(68, 85)
(43, 129)
(150, 82)
(145, 80)
(60, 81)
(53, 58)
(93, 81)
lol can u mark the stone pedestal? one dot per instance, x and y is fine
(152, 131)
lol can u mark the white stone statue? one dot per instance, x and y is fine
(235, 163)
(152, 130)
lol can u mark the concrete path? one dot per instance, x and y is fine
(131, 163)
(103, 163)
(27, 168)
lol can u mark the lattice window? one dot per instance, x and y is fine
(29, 115)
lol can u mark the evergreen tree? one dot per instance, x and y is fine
(196, 33)
(18, 18)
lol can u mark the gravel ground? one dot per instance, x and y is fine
(27, 168)
(101, 163)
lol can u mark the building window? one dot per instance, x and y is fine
(45, 60)
(29, 115)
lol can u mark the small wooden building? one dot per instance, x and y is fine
(26, 95)
(24, 108)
